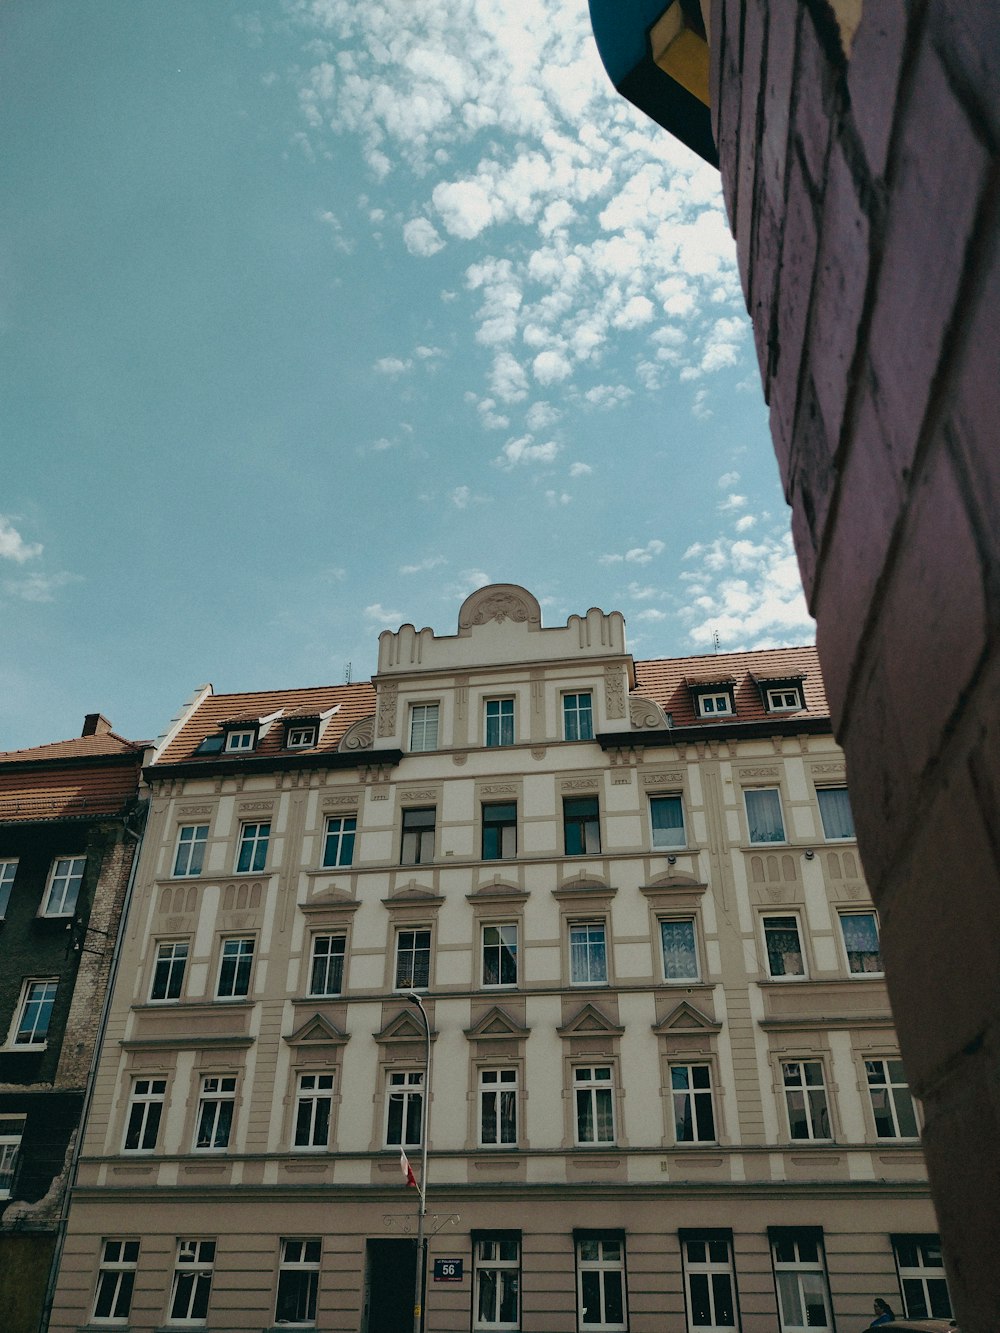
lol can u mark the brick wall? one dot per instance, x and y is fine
(864, 190)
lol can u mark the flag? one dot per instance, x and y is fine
(407, 1170)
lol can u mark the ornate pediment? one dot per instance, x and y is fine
(405, 1027)
(337, 901)
(496, 1023)
(317, 1031)
(645, 715)
(584, 886)
(412, 894)
(589, 1021)
(359, 737)
(500, 602)
(685, 1018)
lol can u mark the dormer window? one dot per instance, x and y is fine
(716, 704)
(781, 694)
(712, 696)
(242, 740)
(784, 701)
(300, 738)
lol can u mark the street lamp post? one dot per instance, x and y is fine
(420, 1277)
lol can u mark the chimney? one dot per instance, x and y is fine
(95, 724)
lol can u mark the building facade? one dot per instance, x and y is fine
(70, 818)
(665, 1090)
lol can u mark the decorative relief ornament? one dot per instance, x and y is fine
(387, 709)
(758, 772)
(245, 807)
(501, 602)
(645, 715)
(359, 737)
(614, 691)
(657, 779)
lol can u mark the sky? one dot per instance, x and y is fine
(317, 315)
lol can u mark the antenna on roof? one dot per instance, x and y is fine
(715, 638)
(347, 674)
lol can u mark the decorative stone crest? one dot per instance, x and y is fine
(359, 737)
(501, 602)
(646, 715)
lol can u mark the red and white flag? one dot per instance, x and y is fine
(407, 1170)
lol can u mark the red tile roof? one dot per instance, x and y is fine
(74, 779)
(666, 681)
(79, 747)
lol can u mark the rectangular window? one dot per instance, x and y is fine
(860, 931)
(588, 954)
(892, 1105)
(805, 1099)
(500, 955)
(192, 1284)
(115, 1280)
(581, 825)
(497, 1261)
(168, 970)
(298, 1282)
(499, 722)
(921, 1277)
(783, 701)
(313, 1109)
(709, 1282)
(578, 717)
(144, 1114)
(835, 812)
(594, 1103)
(326, 976)
(694, 1113)
(31, 1026)
(413, 959)
(666, 814)
(338, 849)
(300, 738)
(11, 1133)
(8, 869)
(423, 726)
(715, 705)
(189, 858)
(215, 1112)
(241, 740)
(784, 947)
(500, 831)
(252, 854)
(404, 1108)
(497, 1107)
(800, 1277)
(235, 966)
(764, 815)
(65, 879)
(600, 1282)
(418, 837)
(680, 952)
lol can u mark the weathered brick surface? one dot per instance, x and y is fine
(873, 78)
(782, 31)
(750, 94)
(967, 37)
(811, 112)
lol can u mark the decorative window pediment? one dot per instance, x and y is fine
(402, 1030)
(589, 1021)
(585, 889)
(317, 1031)
(685, 1019)
(496, 1023)
(334, 901)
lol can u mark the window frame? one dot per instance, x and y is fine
(411, 1089)
(922, 1273)
(170, 969)
(834, 837)
(695, 1096)
(495, 1264)
(145, 1113)
(313, 1099)
(344, 838)
(806, 1091)
(501, 1082)
(670, 919)
(585, 823)
(784, 977)
(709, 1268)
(584, 729)
(600, 1265)
(334, 936)
(8, 874)
(218, 1097)
(240, 739)
(254, 842)
(660, 846)
(199, 1269)
(424, 836)
(764, 842)
(855, 972)
(122, 1272)
(302, 1268)
(21, 1013)
(11, 1133)
(503, 950)
(191, 846)
(424, 709)
(585, 1080)
(800, 1268)
(301, 737)
(502, 827)
(72, 884)
(587, 924)
(786, 692)
(891, 1101)
(503, 724)
(704, 697)
(242, 967)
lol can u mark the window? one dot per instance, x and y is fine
(31, 1025)
(235, 965)
(11, 1131)
(115, 1280)
(666, 814)
(719, 704)
(680, 953)
(835, 812)
(190, 856)
(578, 717)
(413, 959)
(168, 970)
(892, 1105)
(418, 837)
(800, 1276)
(764, 815)
(860, 931)
(594, 1101)
(497, 1107)
(192, 1281)
(500, 831)
(215, 1112)
(694, 1114)
(65, 879)
(581, 825)
(298, 1282)
(921, 1277)
(423, 726)
(313, 1108)
(300, 738)
(404, 1108)
(709, 1282)
(497, 1261)
(805, 1098)
(338, 850)
(145, 1111)
(600, 1282)
(500, 955)
(253, 847)
(8, 869)
(784, 948)
(327, 972)
(499, 722)
(588, 954)
(241, 740)
(786, 700)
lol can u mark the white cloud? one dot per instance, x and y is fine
(640, 593)
(421, 237)
(556, 498)
(38, 587)
(642, 555)
(650, 613)
(731, 502)
(464, 206)
(747, 593)
(524, 450)
(378, 615)
(13, 546)
(745, 523)
(638, 310)
(608, 395)
(431, 562)
(508, 381)
(540, 416)
(392, 365)
(728, 479)
(580, 470)
(551, 366)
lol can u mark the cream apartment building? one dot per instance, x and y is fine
(665, 1090)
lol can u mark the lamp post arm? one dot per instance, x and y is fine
(420, 1276)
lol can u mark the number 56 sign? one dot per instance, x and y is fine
(447, 1270)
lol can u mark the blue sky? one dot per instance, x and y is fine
(317, 315)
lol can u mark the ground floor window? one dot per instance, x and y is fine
(115, 1280)
(192, 1281)
(921, 1277)
(800, 1278)
(600, 1280)
(709, 1281)
(497, 1258)
(298, 1282)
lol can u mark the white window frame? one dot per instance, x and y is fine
(406, 981)
(784, 699)
(422, 717)
(499, 939)
(602, 1265)
(891, 1086)
(922, 1274)
(194, 1267)
(217, 1091)
(861, 971)
(341, 838)
(715, 703)
(8, 873)
(251, 837)
(588, 824)
(417, 843)
(710, 1268)
(71, 881)
(302, 1265)
(325, 958)
(301, 738)
(503, 722)
(658, 841)
(314, 1090)
(498, 1087)
(588, 1082)
(232, 953)
(193, 848)
(581, 714)
(145, 1111)
(172, 961)
(801, 1270)
(507, 845)
(241, 739)
(25, 999)
(765, 842)
(116, 1274)
(812, 1097)
(505, 1279)
(784, 977)
(830, 837)
(688, 1100)
(404, 1087)
(681, 979)
(590, 975)
(11, 1134)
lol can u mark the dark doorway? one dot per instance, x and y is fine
(390, 1268)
